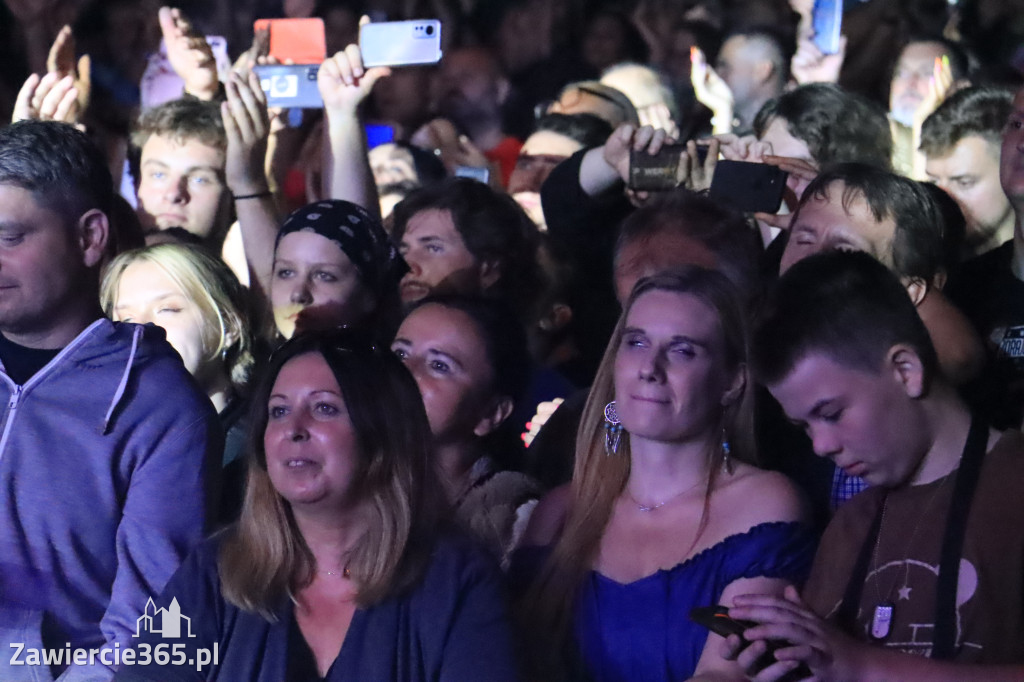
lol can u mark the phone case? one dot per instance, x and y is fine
(827, 21)
(748, 187)
(655, 173)
(717, 619)
(292, 86)
(299, 40)
(400, 43)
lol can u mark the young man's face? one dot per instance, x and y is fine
(1011, 163)
(863, 421)
(182, 185)
(439, 261)
(43, 268)
(969, 173)
(824, 224)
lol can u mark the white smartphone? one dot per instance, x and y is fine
(400, 43)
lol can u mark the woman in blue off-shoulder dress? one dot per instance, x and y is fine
(665, 511)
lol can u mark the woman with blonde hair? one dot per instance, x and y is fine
(340, 567)
(666, 511)
(203, 309)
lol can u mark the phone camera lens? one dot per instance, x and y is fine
(430, 30)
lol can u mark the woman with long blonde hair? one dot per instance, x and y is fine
(666, 511)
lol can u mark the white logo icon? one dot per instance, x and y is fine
(284, 86)
(164, 622)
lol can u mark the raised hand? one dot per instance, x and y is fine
(50, 98)
(189, 54)
(343, 81)
(711, 91)
(247, 125)
(811, 65)
(61, 60)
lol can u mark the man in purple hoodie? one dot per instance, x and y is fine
(105, 439)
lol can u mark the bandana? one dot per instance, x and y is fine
(359, 235)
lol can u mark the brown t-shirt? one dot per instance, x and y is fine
(904, 568)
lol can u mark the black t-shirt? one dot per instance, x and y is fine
(993, 299)
(20, 362)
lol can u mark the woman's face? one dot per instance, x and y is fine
(146, 293)
(671, 378)
(310, 444)
(315, 285)
(446, 355)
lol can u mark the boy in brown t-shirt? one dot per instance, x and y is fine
(919, 577)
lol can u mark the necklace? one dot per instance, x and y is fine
(881, 618)
(345, 573)
(651, 507)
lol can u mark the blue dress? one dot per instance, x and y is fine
(641, 631)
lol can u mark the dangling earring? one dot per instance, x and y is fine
(612, 429)
(726, 451)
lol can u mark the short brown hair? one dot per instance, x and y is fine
(980, 111)
(183, 119)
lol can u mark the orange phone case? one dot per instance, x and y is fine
(299, 40)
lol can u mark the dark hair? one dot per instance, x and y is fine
(837, 126)
(723, 231)
(634, 46)
(845, 305)
(264, 558)
(493, 227)
(980, 111)
(505, 342)
(587, 129)
(183, 119)
(59, 165)
(918, 248)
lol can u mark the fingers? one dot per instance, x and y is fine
(247, 107)
(62, 53)
(23, 109)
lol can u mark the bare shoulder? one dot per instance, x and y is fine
(764, 495)
(548, 518)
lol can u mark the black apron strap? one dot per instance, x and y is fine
(944, 642)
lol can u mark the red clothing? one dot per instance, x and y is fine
(505, 155)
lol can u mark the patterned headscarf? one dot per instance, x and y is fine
(361, 237)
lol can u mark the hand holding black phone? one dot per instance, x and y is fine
(748, 187)
(718, 620)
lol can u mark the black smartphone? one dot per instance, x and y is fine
(748, 187)
(717, 619)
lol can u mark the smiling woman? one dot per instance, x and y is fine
(340, 567)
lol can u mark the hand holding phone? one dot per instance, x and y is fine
(748, 187)
(400, 43)
(718, 620)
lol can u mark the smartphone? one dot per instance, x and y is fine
(748, 187)
(474, 173)
(827, 20)
(376, 135)
(655, 172)
(400, 43)
(717, 619)
(292, 86)
(301, 41)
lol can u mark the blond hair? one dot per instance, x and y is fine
(599, 478)
(208, 283)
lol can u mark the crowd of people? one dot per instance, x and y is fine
(424, 384)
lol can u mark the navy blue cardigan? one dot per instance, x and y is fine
(451, 627)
